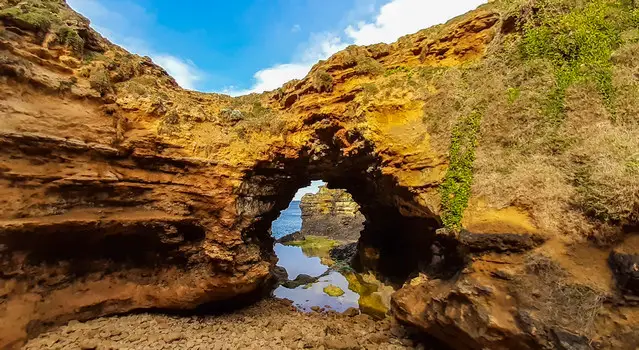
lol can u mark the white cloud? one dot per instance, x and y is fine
(394, 20)
(126, 32)
(313, 188)
(184, 72)
(296, 28)
(272, 78)
(320, 46)
(401, 17)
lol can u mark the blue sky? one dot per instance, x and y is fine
(244, 46)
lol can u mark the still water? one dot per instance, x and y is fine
(304, 297)
(296, 262)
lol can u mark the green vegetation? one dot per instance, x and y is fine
(368, 66)
(29, 18)
(251, 118)
(70, 37)
(579, 41)
(322, 81)
(100, 81)
(455, 190)
(315, 246)
(372, 304)
(513, 95)
(398, 69)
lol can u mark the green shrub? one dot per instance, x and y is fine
(70, 38)
(455, 190)
(100, 81)
(231, 115)
(322, 81)
(579, 42)
(34, 19)
(398, 69)
(367, 65)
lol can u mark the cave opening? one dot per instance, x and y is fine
(398, 239)
(316, 239)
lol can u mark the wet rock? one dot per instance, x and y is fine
(333, 290)
(344, 253)
(569, 341)
(280, 274)
(300, 280)
(295, 236)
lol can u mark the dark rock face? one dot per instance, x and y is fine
(344, 252)
(503, 242)
(295, 236)
(279, 274)
(624, 262)
(302, 279)
(331, 213)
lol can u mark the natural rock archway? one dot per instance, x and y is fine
(346, 162)
(121, 191)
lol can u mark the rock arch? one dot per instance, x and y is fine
(398, 231)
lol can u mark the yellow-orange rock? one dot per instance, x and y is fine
(121, 191)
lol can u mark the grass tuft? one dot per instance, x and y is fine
(70, 37)
(322, 81)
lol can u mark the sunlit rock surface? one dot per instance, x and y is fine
(331, 213)
(120, 191)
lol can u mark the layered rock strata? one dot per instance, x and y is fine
(331, 213)
(121, 191)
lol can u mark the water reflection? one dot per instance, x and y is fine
(360, 291)
(296, 262)
(306, 296)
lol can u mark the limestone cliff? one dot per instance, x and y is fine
(494, 158)
(331, 213)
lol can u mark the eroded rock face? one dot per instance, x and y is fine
(120, 191)
(331, 213)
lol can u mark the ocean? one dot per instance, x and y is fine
(290, 220)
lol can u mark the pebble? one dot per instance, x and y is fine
(268, 324)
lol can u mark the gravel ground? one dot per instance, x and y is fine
(268, 324)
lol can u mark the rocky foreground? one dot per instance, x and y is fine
(494, 158)
(269, 324)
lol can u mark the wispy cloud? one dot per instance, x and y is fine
(183, 70)
(318, 47)
(393, 20)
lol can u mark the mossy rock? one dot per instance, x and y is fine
(333, 290)
(34, 19)
(373, 305)
(315, 246)
(358, 285)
